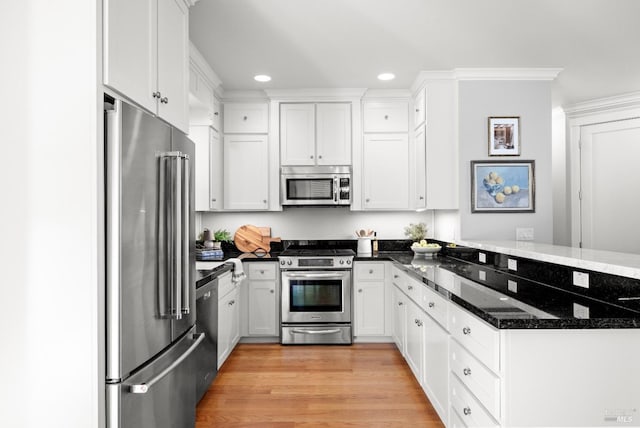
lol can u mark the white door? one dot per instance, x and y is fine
(610, 179)
(297, 134)
(333, 134)
(369, 308)
(246, 173)
(386, 171)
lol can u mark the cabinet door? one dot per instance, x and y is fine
(130, 49)
(399, 319)
(436, 366)
(333, 134)
(386, 171)
(386, 117)
(234, 318)
(246, 118)
(419, 108)
(217, 114)
(420, 159)
(208, 164)
(369, 308)
(173, 62)
(225, 319)
(246, 180)
(297, 134)
(216, 170)
(415, 340)
(262, 308)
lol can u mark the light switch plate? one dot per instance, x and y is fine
(581, 279)
(512, 264)
(524, 234)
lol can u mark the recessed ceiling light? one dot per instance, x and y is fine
(386, 76)
(262, 78)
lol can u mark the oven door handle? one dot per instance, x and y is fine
(314, 275)
(332, 331)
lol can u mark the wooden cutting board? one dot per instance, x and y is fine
(249, 239)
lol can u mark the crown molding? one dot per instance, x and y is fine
(200, 63)
(386, 94)
(427, 76)
(604, 105)
(190, 3)
(315, 94)
(506, 73)
(245, 96)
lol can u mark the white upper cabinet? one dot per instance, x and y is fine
(297, 134)
(315, 134)
(420, 160)
(386, 116)
(386, 172)
(246, 173)
(146, 55)
(209, 167)
(419, 108)
(333, 134)
(246, 118)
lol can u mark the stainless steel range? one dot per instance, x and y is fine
(316, 296)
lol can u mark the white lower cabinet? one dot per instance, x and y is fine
(436, 366)
(415, 340)
(369, 299)
(263, 299)
(399, 319)
(228, 317)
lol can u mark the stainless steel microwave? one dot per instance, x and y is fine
(315, 185)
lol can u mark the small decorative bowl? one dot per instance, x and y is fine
(425, 250)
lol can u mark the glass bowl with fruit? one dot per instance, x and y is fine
(425, 248)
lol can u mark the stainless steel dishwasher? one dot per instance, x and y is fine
(206, 355)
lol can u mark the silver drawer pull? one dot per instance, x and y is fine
(410, 287)
(466, 411)
(466, 371)
(466, 330)
(400, 303)
(271, 291)
(431, 304)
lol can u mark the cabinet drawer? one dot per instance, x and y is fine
(261, 270)
(484, 385)
(455, 421)
(436, 306)
(413, 288)
(480, 339)
(468, 408)
(369, 271)
(225, 285)
(386, 117)
(246, 118)
(398, 277)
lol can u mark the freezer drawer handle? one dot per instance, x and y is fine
(142, 388)
(316, 331)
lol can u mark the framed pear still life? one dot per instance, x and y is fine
(506, 186)
(504, 136)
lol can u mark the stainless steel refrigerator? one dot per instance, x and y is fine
(150, 284)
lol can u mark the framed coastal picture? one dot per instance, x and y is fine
(504, 136)
(506, 186)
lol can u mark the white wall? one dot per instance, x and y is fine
(319, 223)
(561, 200)
(531, 100)
(50, 197)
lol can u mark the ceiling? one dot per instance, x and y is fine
(347, 43)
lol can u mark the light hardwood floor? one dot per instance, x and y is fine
(269, 385)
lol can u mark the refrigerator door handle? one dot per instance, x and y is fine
(143, 388)
(185, 234)
(177, 232)
(164, 274)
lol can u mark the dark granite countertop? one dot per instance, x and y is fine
(507, 301)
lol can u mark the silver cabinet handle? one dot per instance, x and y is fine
(156, 94)
(367, 200)
(466, 411)
(311, 157)
(164, 100)
(213, 199)
(245, 118)
(421, 198)
(409, 287)
(360, 290)
(262, 272)
(319, 156)
(371, 271)
(466, 330)
(272, 291)
(313, 275)
(264, 201)
(400, 303)
(466, 371)
(142, 388)
(431, 304)
(315, 331)
(386, 117)
(216, 114)
(395, 277)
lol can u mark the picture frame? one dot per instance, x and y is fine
(503, 186)
(504, 136)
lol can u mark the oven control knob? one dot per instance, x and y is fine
(289, 262)
(348, 262)
(282, 262)
(341, 261)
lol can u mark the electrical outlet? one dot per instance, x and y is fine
(581, 279)
(512, 264)
(513, 286)
(482, 257)
(580, 311)
(482, 275)
(524, 234)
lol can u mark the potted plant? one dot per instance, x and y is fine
(220, 236)
(416, 232)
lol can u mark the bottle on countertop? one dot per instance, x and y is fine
(374, 243)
